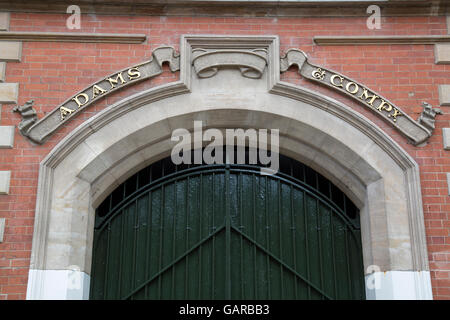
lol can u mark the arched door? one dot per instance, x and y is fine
(227, 232)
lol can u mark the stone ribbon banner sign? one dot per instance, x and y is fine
(43, 128)
(410, 128)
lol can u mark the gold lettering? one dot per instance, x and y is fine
(382, 107)
(318, 74)
(366, 96)
(347, 87)
(64, 112)
(333, 83)
(84, 95)
(96, 90)
(133, 73)
(396, 113)
(116, 81)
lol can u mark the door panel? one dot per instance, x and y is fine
(226, 232)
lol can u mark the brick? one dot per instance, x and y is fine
(13, 289)
(20, 263)
(5, 263)
(17, 255)
(437, 232)
(18, 280)
(16, 296)
(442, 274)
(443, 291)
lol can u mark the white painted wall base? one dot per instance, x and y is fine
(399, 285)
(58, 285)
(74, 285)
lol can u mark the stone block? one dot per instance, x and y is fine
(10, 51)
(2, 228)
(442, 53)
(446, 138)
(5, 177)
(448, 183)
(2, 71)
(448, 24)
(4, 21)
(444, 95)
(6, 137)
(9, 92)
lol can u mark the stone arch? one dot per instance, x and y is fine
(351, 151)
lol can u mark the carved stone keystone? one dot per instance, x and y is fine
(250, 63)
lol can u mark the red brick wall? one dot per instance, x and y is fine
(51, 72)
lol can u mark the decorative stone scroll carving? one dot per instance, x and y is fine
(43, 128)
(251, 63)
(416, 132)
(29, 116)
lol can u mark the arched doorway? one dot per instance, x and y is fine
(379, 176)
(227, 232)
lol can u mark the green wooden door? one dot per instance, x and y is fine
(225, 232)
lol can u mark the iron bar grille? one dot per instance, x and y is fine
(227, 232)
